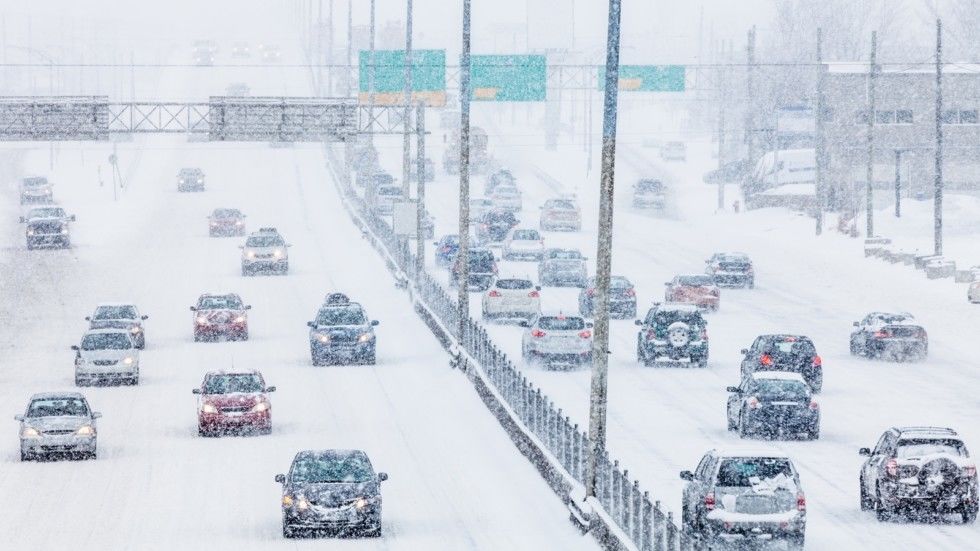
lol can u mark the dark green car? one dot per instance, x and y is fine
(672, 333)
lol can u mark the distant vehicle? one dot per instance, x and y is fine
(673, 151)
(507, 198)
(203, 58)
(50, 231)
(106, 356)
(120, 315)
(233, 402)
(446, 250)
(737, 498)
(265, 251)
(331, 491)
(731, 269)
(271, 53)
(699, 290)
(622, 298)
(889, 336)
(220, 315)
(36, 189)
(482, 270)
(479, 157)
(58, 423)
(240, 49)
(560, 214)
(790, 353)
(238, 89)
(342, 333)
(672, 333)
(973, 293)
(513, 297)
(649, 193)
(494, 226)
(385, 198)
(47, 213)
(429, 168)
(226, 222)
(919, 469)
(523, 244)
(557, 340)
(206, 46)
(773, 403)
(500, 177)
(190, 179)
(562, 268)
(479, 206)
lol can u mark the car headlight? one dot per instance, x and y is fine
(365, 337)
(239, 223)
(200, 181)
(302, 504)
(30, 232)
(250, 254)
(278, 253)
(30, 432)
(209, 408)
(260, 407)
(182, 180)
(135, 329)
(287, 500)
(322, 337)
(85, 430)
(128, 360)
(201, 320)
(47, 192)
(240, 319)
(64, 231)
(361, 502)
(214, 224)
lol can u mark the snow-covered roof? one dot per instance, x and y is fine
(926, 432)
(781, 375)
(749, 451)
(679, 307)
(65, 394)
(114, 304)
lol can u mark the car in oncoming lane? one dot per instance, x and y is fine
(59, 423)
(220, 315)
(234, 402)
(672, 333)
(120, 315)
(773, 403)
(226, 222)
(342, 333)
(557, 340)
(731, 269)
(513, 297)
(622, 298)
(495, 224)
(190, 179)
(789, 353)
(265, 251)
(696, 289)
(106, 356)
(650, 193)
(973, 292)
(894, 336)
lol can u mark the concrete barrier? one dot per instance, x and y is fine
(940, 268)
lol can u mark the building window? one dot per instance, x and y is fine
(903, 116)
(951, 116)
(885, 117)
(969, 116)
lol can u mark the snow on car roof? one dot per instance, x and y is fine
(939, 432)
(101, 304)
(781, 375)
(233, 372)
(679, 307)
(65, 394)
(749, 451)
(108, 330)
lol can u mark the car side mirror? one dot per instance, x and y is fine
(375, 323)
(744, 351)
(310, 324)
(241, 246)
(666, 283)
(524, 323)
(22, 220)
(687, 475)
(865, 452)
(88, 318)
(856, 324)
(281, 478)
(271, 389)
(18, 417)
(72, 218)
(382, 477)
(248, 306)
(74, 347)
(732, 389)
(144, 317)
(195, 391)
(193, 309)
(638, 322)
(96, 414)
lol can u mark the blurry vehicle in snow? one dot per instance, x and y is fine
(238, 90)
(479, 206)
(206, 46)
(507, 198)
(672, 333)
(560, 214)
(919, 470)
(699, 290)
(47, 213)
(562, 268)
(773, 403)
(513, 297)
(226, 222)
(59, 423)
(47, 227)
(673, 151)
(36, 189)
(385, 197)
(220, 315)
(120, 315)
(342, 333)
(622, 298)
(106, 356)
(494, 226)
(787, 353)
(523, 244)
(446, 250)
(240, 50)
(190, 179)
(265, 251)
(479, 156)
(499, 177)
(889, 336)
(429, 170)
(482, 266)
(649, 193)
(557, 340)
(731, 269)
(973, 293)
(271, 53)
(233, 402)
(737, 498)
(331, 492)
(203, 57)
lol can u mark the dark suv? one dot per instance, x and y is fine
(495, 225)
(925, 468)
(793, 353)
(482, 270)
(342, 333)
(773, 403)
(673, 332)
(889, 336)
(731, 269)
(622, 298)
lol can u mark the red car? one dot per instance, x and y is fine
(217, 315)
(233, 403)
(699, 290)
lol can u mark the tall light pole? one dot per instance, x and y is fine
(938, 199)
(464, 174)
(821, 153)
(407, 98)
(600, 345)
(350, 47)
(869, 188)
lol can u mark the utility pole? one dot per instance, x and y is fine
(407, 98)
(330, 91)
(464, 174)
(821, 152)
(420, 189)
(898, 183)
(750, 92)
(869, 188)
(317, 54)
(938, 201)
(350, 48)
(370, 83)
(600, 344)
(721, 139)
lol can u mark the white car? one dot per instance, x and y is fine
(106, 356)
(515, 297)
(560, 214)
(557, 339)
(507, 198)
(523, 244)
(265, 250)
(973, 294)
(36, 189)
(125, 316)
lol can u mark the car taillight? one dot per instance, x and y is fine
(814, 405)
(970, 471)
(493, 293)
(800, 502)
(709, 502)
(704, 334)
(765, 359)
(891, 467)
(651, 334)
(881, 334)
(537, 333)
(817, 361)
(630, 293)
(753, 402)
(590, 292)
(586, 334)
(533, 294)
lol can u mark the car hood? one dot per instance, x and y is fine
(66, 422)
(333, 494)
(242, 399)
(95, 355)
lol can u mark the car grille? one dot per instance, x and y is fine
(59, 432)
(105, 362)
(234, 409)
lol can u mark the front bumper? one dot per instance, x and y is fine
(214, 329)
(230, 422)
(735, 532)
(342, 352)
(561, 224)
(111, 373)
(272, 264)
(344, 518)
(66, 444)
(52, 239)
(227, 229)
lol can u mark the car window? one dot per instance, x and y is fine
(779, 390)
(219, 303)
(106, 341)
(389, 191)
(790, 346)
(880, 446)
(702, 469)
(619, 283)
(650, 185)
(527, 235)
(514, 284)
(748, 471)
(481, 261)
(114, 313)
(49, 212)
(566, 255)
(667, 316)
(920, 447)
(226, 384)
(332, 469)
(561, 323)
(341, 315)
(264, 241)
(34, 182)
(46, 407)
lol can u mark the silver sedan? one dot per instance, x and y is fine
(58, 423)
(557, 340)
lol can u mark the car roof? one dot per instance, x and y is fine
(733, 254)
(559, 314)
(191, 169)
(211, 295)
(783, 337)
(221, 372)
(338, 452)
(927, 432)
(692, 275)
(113, 304)
(780, 375)
(65, 394)
(513, 277)
(749, 451)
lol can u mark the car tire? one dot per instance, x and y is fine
(243, 336)
(882, 513)
(855, 351)
(370, 359)
(968, 514)
(813, 434)
(795, 543)
(288, 532)
(197, 337)
(743, 428)
(865, 500)
(79, 381)
(702, 363)
(24, 456)
(92, 456)
(316, 359)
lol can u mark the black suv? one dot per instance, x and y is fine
(673, 332)
(342, 333)
(773, 403)
(793, 353)
(731, 269)
(622, 298)
(482, 270)
(925, 468)
(889, 336)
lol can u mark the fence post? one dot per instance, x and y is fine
(636, 509)
(646, 540)
(658, 527)
(671, 532)
(624, 501)
(577, 453)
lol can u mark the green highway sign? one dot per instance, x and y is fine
(428, 76)
(508, 77)
(648, 78)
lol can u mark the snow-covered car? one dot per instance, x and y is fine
(672, 333)
(58, 423)
(265, 251)
(973, 292)
(887, 335)
(495, 224)
(513, 297)
(120, 315)
(482, 270)
(673, 151)
(560, 214)
(36, 189)
(50, 231)
(523, 244)
(745, 497)
(699, 290)
(203, 58)
(731, 269)
(106, 356)
(507, 198)
(622, 298)
(557, 340)
(331, 491)
(479, 206)
(240, 49)
(921, 470)
(788, 353)
(271, 53)
(47, 213)
(500, 177)
(226, 222)
(233, 402)
(773, 403)
(220, 315)
(342, 333)
(649, 193)
(385, 197)
(446, 250)
(190, 179)
(562, 268)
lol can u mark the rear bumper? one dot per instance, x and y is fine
(664, 352)
(733, 278)
(260, 264)
(767, 421)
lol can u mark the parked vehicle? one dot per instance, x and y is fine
(788, 353)
(731, 269)
(225, 222)
(342, 333)
(560, 214)
(523, 244)
(513, 297)
(562, 268)
(36, 189)
(482, 270)
(673, 151)
(889, 336)
(233, 403)
(59, 423)
(106, 356)
(190, 179)
(622, 298)
(220, 315)
(650, 193)
(557, 340)
(120, 315)
(699, 290)
(773, 403)
(973, 293)
(672, 333)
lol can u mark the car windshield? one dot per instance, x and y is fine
(450, 240)
(264, 241)
(35, 182)
(47, 212)
(559, 205)
(189, 172)
(893, 318)
(526, 235)
(506, 191)
(505, 217)
(226, 213)
(561, 323)
(226, 384)
(650, 185)
(332, 468)
(776, 389)
(219, 303)
(115, 313)
(695, 281)
(341, 315)
(617, 282)
(930, 446)
(106, 341)
(49, 407)
(514, 284)
(748, 471)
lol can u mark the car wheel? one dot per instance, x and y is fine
(743, 428)
(79, 381)
(813, 434)
(969, 514)
(373, 530)
(866, 503)
(751, 284)
(731, 425)
(370, 359)
(794, 544)
(881, 512)
(855, 351)
(93, 455)
(243, 336)
(288, 532)
(24, 456)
